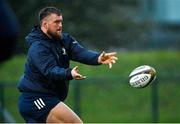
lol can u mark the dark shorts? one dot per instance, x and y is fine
(35, 107)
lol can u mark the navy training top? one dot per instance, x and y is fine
(47, 67)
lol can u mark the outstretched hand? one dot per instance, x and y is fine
(107, 58)
(76, 75)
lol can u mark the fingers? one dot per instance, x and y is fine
(113, 61)
(79, 77)
(110, 54)
(114, 58)
(76, 68)
(76, 75)
(108, 58)
(100, 58)
(110, 65)
(103, 54)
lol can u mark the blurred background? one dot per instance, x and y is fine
(142, 32)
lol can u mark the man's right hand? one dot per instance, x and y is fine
(76, 75)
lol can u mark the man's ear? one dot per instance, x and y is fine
(44, 24)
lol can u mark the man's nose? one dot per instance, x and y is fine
(60, 25)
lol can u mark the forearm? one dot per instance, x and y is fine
(57, 73)
(87, 57)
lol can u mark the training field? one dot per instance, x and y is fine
(106, 96)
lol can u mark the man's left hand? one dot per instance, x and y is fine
(107, 58)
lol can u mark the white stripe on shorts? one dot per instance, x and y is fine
(42, 102)
(37, 105)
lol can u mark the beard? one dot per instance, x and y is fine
(54, 35)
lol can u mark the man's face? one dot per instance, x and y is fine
(53, 26)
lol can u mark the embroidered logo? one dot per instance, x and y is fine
(64, 51)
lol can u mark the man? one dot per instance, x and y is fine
(44, 85)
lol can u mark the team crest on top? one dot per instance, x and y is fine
(63, 51)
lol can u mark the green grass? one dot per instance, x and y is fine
(11, 70)
(106, 95)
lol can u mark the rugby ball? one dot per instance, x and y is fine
(142, 76)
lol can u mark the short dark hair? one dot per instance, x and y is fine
(47, 11)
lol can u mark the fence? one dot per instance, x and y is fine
(5, 116)
(80, 85)
(111, 99)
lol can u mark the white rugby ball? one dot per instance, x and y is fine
(142, 76)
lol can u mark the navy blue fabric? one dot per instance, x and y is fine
(8, 31)
(47, 67)
(33, 113)
(8, 21)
